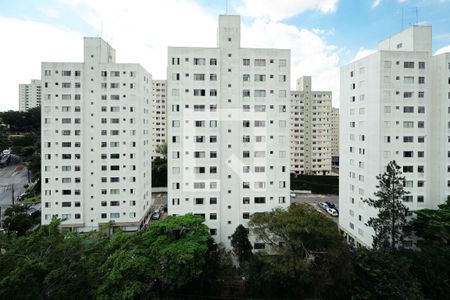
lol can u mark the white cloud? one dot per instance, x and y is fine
(445, 49)
(25, 44)
(142, 34)
(363, 53)
(50, 12)
(375, 3)
(310, 54)
(141, 31)
(282, 9)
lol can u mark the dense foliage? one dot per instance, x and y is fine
(316, 184)
(49, 264)
(305, 255)
(22, 121)
(304, 258)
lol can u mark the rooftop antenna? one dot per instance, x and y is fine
(417, 15)
(402, 18)
(226, 7)
(101, 29)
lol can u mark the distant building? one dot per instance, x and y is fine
(228, 131)
(30, 95)
(96, 141)
(310, 129)
(159, 115)
(335, 136)
(394, 105)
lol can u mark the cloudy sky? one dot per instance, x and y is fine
(323, 34)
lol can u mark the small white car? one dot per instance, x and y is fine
(7, 152)
(293, 195)
(332, 212)
(324, 205)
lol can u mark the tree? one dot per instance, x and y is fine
(5, 143)
(391, 219)
(384, 275)
(433, 225)
(162, 149)
(430, 264)
(49, 264)
(17, 219)
(170, 254)
(241, 245)
(306, 255)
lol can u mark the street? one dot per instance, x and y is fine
(14, 174)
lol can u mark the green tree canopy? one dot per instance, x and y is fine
(17, 220)
(305, 254)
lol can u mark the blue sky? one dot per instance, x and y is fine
(323, 34)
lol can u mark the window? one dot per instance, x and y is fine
(199, 61)
(260, 62)
(408, 64)
(260, 77)
(260, 93)
(199, 92)
(200, 77)
(246, 62)
(260, 200)
(408, 79)
(421, 65)
(213, 62)
(408, 109)
(408, 169)
(408, 139)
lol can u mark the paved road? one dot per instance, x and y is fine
(159, 200)
(315, 199)
(14, 174)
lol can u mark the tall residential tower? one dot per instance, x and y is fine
(310, 129)
(96, 141)
(394, 106)
(30, 95)
(228, 131)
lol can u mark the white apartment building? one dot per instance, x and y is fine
(30, 95)
(334, 132)
(159, 115)
(96, 141)
(394, 106)
(310, 129)
(228, 131)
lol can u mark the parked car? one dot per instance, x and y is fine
(4, 161)
(330, 204)
(6, 152)
(324, 205)
(156, 215)
(332, 212)
(293, 195)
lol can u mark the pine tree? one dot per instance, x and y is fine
(391, 218)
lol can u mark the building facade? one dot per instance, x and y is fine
(159, 116)
(310, 129)
(30, 95)
(334, 132)
(394, 106)
(96, 141)
(228, 146)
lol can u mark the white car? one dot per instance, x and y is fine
(293, 195)
(323, 205)
(7, 152)
(332, 212)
